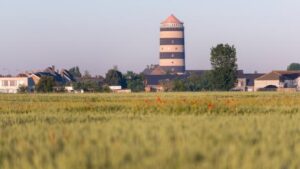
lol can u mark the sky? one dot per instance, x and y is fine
(97, 35)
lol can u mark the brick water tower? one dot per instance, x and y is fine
(172, 50)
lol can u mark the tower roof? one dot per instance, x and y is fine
(172, 19)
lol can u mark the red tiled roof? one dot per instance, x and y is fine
(158, 71)
(172, 19)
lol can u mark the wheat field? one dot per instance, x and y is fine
(150, 131)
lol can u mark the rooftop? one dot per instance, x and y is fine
(172, 19)
(278, 75)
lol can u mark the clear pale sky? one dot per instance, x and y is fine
(98, 34)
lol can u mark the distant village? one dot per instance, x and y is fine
(169, 75)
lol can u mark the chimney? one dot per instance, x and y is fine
(53, 67)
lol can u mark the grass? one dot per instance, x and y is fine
(141, 131)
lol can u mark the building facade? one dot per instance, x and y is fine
(172, 49)
(12, 84)
(278, 81)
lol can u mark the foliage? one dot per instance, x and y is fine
(75, 71)
(23, 89)
(194, 82)
(162, 131)
(87, 74)
(201, 82)
(168, 85)
(115, 78)
(294, 66)
(88, 85)
(179, 85)
(106, 89)
(223, 60)
(135, 82)
(45, 84)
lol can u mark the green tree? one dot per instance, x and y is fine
(115, 78)
(75, 71)
(294, 66)
(87, 74)
(179, 85)
(168, 85)
(45, 84)
(23, 89)
(88, 86)
(135, 82)
(201, 82)
(223, 60)
(175, 85)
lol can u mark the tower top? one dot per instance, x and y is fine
(172, 19)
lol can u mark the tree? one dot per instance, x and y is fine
(168, 85)
(294, 66)
(45, 84)
(23, 89)
(179, 85)
(115, 78)
(88, 85)
(75, 71)
(87, 74)
(224, 67)
(201, 82)
(135, 82)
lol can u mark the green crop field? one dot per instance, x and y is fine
(150, 131)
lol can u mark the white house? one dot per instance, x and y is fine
(12, 84)
(278, 80)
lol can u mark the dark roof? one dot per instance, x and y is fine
(250, 78)
(156, 79)
(67, 75)
(62, 78)
(240, 74)
(55, 76)
(280, 75)
(196, 72)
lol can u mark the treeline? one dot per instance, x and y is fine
(88, 83)
(222, 77)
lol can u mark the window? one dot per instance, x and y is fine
(173, 42)
(5, 83)
(172, 55)
(13, 83)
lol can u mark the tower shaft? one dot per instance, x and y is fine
(172, 49)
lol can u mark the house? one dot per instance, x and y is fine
(62, 78)
(245, 81)
(12, 84)
(115, 88)
(278, 80)
(118, 89)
